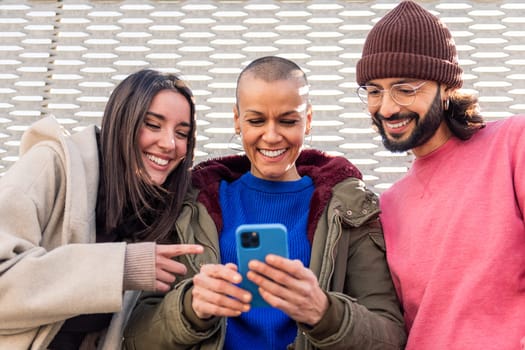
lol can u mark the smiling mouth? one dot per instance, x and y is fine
(398, 124)
(272, 153)
(157, 160)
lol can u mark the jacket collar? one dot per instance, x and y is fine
(325, 171)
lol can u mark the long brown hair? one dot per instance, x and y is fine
(124, 189)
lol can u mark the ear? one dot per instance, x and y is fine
(447, 91)
(308, 118)
(236, 121)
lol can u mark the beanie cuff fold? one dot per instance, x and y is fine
(407, 65)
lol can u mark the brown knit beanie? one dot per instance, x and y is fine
(410, 42)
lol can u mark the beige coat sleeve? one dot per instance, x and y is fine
(49, 268)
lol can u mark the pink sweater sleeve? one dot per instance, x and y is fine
(518, 159)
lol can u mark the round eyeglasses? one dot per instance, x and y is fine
(403, 94)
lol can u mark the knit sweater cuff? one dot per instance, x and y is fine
(139, 266)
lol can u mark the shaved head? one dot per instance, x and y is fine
(272, 68)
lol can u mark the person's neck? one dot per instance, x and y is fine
(441, 137)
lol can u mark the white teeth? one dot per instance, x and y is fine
(157, 160)
(398, 125)
(269, 153)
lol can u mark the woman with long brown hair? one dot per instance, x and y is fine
(80, 216)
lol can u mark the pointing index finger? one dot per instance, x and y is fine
(171, 250)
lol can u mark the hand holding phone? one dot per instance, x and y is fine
(254, 242)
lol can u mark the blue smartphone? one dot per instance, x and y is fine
(254, 242)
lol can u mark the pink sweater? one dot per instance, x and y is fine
(455, 237)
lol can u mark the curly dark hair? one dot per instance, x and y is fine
(463, 115)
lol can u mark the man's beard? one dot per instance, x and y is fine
(424, 128)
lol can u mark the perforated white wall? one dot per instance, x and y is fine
(65, 57)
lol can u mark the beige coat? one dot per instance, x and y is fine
(49, 270)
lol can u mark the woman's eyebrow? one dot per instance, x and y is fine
(160, 116)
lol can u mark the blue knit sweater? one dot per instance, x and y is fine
(250, 200)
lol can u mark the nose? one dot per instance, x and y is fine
(167, 140)
(271, 133)
(388, 106)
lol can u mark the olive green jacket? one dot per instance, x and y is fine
(348, 257)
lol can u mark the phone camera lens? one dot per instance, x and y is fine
(250, 239)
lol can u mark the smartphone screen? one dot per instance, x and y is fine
(254, 242)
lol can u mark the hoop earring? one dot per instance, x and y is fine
(235, 146)
(446, 104)
(308, 139)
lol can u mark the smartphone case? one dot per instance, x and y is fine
(272, 239)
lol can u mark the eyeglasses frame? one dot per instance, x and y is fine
(415, 88)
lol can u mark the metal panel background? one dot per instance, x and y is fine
(65, 57)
